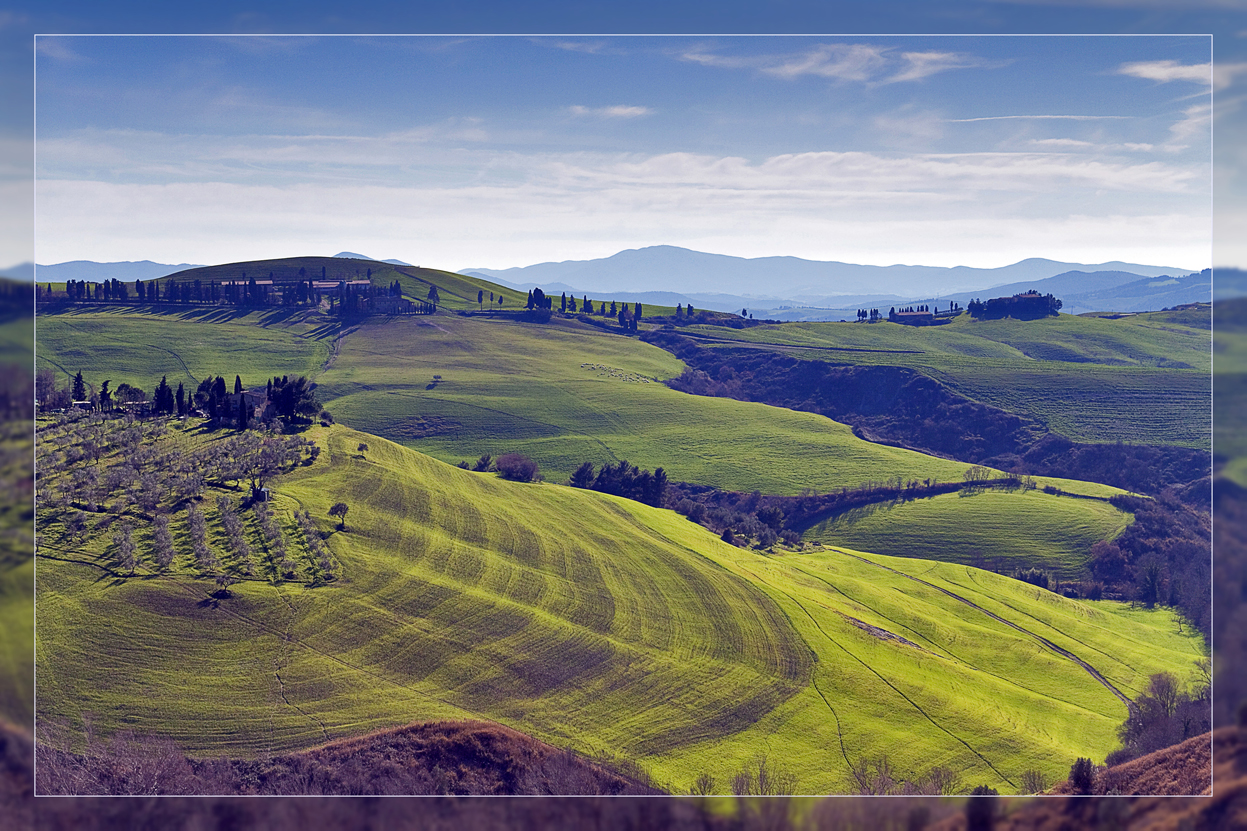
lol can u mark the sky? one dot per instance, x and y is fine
(504, 151)
(490, 153)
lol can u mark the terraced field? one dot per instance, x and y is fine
(1142, 379)
(999, 530)
(588, 621)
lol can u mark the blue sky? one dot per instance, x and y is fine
(491, 152)
(501, 151)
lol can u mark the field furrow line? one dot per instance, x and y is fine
(1092, 671)
(876, 673)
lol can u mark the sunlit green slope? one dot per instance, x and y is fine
(585, 620)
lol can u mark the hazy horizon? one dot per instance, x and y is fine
(505, 151)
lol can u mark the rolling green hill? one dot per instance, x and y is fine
(1000, 530)
(583, 619)
(564, 393)
(140, 345)
(1137, 379)
(456, 292)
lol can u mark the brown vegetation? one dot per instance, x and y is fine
(470, 757)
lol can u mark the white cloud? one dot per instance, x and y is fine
(1166, 71)
(849, 62)
(1220, 75)
(212, 222)
(924, 64)
(1196, 121)
(1039, 117)
(1091, 146)
(617, 111)
(1062, 142)
(591, 48)
(844, 62)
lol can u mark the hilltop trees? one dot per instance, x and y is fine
(294, 399)
(623, 479)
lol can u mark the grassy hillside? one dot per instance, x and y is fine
(564, 393)
(1001, 530)
(138, 345)
(1230, 366)
(456, 292)
(582, 619)
(16, 574)
(1135, 379)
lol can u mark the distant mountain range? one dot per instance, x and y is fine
(787, 288)
(809, 282)
(94, 272)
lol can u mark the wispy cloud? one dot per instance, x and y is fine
(1166, 71)
(1039, 117)
(924, 64)
(842, 61)
(57, 48)
(1062, 142)
(1196, 121)
(617, 111)
(849, 62)
(1079, 144)
(1220, 75)
(590, 47)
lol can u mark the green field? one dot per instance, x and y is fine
(564, 393)
(1000, 530)
(1142, 379)
(139, 345)
(17, 570)
(588, 621)
(17, 613)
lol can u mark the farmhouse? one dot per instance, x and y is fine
(912, 318)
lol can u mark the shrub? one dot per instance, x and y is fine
(517, 467)
(1032, 781)
(1082, 775)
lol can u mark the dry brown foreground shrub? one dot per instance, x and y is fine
(469, 757)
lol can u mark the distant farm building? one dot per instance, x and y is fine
(912, 318)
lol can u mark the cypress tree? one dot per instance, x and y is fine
(237, 384)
